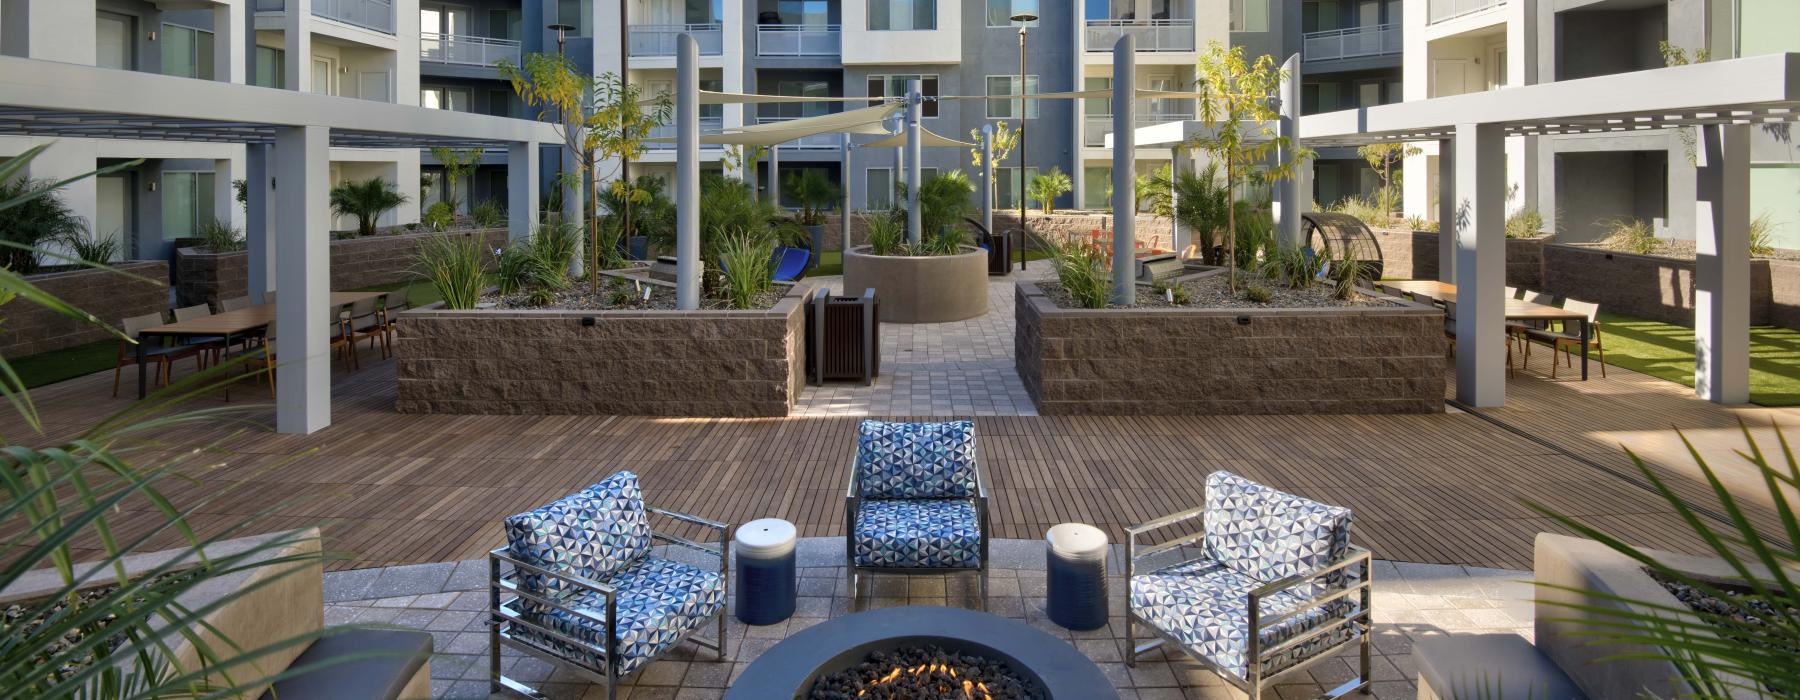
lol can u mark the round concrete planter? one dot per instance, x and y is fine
(923, 289)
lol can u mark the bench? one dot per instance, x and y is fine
(1491, 667)
(390, 664)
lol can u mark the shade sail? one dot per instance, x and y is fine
(840, 121)
(926, 138)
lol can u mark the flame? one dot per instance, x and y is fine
(970, 689)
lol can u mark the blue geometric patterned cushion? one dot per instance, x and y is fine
(659, 602)
(1268, 535)
(593, 533)
(916, 460)
(917, 534)
(1202, 604)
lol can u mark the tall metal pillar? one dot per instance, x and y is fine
(303, 311)
(1124, 167)
(1447, 210)
(1179, 162)
(1480, 264)
(521, 190)
(687, 172)
(987, 177)
(1722, 265)
(775, 175)
(1287, 192)
(914, 153)
(259, 228)
(844, 211)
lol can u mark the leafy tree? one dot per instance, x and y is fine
(1045, 188)
(1383, 158)
(34, 223)
(457, 165)
(366, 200)
(1006, 139)
(1238, 103)
(816, 195)
(1198, 200)
(744, 158)
(944, 200)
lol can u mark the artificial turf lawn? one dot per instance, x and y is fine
(1666, 351)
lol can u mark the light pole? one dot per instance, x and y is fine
(1024, 19)
(624, 129)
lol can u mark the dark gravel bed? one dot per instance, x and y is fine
(1213, 292)
(620, 295)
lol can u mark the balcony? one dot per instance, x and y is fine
(653, 40)
(1352, 42)
(1441, 10)
(377, 15)
(1152, 34)
(467, 50)
(708, 125)
(1099, 125)
(815, 142)
(798, 40)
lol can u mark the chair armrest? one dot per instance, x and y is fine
(1131, 539)
(1353, 555)
(723, 530)
(503, 582)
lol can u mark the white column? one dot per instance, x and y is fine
(303, 311)
(1446, 210)
(296, 28)
(1722, 265)
(225, 206)
(406, 178)
(71, 157)
(987, 177)
(229, 47)
(259, 223)
(687, 173)
(1287, 192)
(844, 191)
(1179, 162)
(775, 175)
(53, 30)
(1480, 230)
(1124, 167)
(915, 152)
(521, 189)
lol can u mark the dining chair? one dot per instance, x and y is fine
(262, 357)
(395, 302)
(212, 345)
(234, 303)
(1566, 339)
(162, 354)
(339, 333)
(1450, 332)
(365, 320)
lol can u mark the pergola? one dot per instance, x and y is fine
(288, 136)
(1723, 100)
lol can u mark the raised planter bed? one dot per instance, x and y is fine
(1651, 287)
(921, 289)
(639, 362)
(204, 277)
(1188, 360)
(129, 289)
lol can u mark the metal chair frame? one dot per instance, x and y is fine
(1253, 683)
(853, 573)
(595, 662)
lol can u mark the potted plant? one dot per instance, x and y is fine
(366, 200)
(943, 278)
(817, 196)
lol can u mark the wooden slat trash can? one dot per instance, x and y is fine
(843, 337)
(999, 255)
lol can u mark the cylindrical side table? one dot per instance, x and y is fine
(766, 585)
(1075, 583)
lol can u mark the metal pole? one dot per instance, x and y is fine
(914, 153)
(775, 175)
(844, 213)
(1023, 236)
(987, 178)
(1287, 192)
(625, 83)
(687, 172)
(1124, 289)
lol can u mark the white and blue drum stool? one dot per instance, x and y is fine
(1075, 582)
(766, 585)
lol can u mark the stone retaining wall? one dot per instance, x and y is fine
(1414, 255)
(30, 329)
(1153, 231)
(661, 363)
(203, 277)
(1387, 359)
(1650, 286)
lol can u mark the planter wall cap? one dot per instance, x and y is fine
(38, 583)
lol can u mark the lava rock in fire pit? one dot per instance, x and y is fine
(923, 673)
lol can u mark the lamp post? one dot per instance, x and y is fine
(624, 130)
(1024, 19)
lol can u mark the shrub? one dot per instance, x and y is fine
(947, 241)
(1201, 202)
(34, 223)
(540, 297)
(1255, 234)
(1524, 223)
(1369, 211)
(97, 251)
(1295, 267)
(438, 217)
(219, 236)
(1633, 235)
(1081, 269)
(488, 214)
(551, 251)
(453, 264)
(746, 259)
(1762, 236)
(887, 236)
(815, 193)
(1045, 188)
(1345, 273)
(1419, 223)
(512, 269)
(1258, 293)
(366, 200)
(944, 200)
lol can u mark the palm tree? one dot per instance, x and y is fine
(34, 223)
(366, 200)
(1045, 188)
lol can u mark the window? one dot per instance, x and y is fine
(1006, 186)
(453, 99)
(1096, 183)
(575, 14)
(271, 68)
(1767, 26)
(1008, 85)
(796, 110)
(115, 41)
(895, 86)
(449, 20)
(811, 13)
(902, 15)
(1096, 106)
(187, 52)
(713, 112)
(504, 24)
(878, 189)
(1249, 15)
(187, 200)
(500, 103)
(1000, 12)
(1775, 193)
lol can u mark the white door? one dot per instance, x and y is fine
(373, 85)
(322, 73)
(113, 44)
(1447, 77)
(1496, 67)
(112, 220)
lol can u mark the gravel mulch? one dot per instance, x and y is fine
(1684, 250)
(620, 295)
(1213, 291)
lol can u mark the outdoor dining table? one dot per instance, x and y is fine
(226, 325)
(1516, 309)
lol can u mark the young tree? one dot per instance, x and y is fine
(744, 158)
(457, 165)
(1238, 104)
(1383, 157)
(1006, 139)
(1045, 188)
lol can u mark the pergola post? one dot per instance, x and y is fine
(687, 173)
(1287, 192)
(1179, 162)
(258, 229)
(297, 41)
(303, 311)
(1722, 265)
(1480, 224)
(1447, 210)
(775, 175)
(521, 189)
(915, 152)
(987, 178)
(1124, 166)
(844, 212)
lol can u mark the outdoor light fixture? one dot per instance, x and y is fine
(562, 35)
(1023, 18)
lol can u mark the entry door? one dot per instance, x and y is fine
(1448, 77)
(322, 73)
(112, 219)
(114, 47)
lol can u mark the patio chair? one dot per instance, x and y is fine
(916, 503)
(365, 319)
(586, 591)
(1450, 333)
(339, 335)
(1276, 586)
(395, 302)
(162, 354)
(213, 345)
(261, 358)
(1569, 338)
(790, 263)
(234, 303)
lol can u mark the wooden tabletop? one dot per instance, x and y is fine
(1516, 309)
(241, 320)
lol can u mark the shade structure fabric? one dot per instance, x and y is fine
(926, 139)
(868, 120)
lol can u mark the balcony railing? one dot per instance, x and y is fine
(708, 125)
(1354, 42)
(1152, 34)
(798, 40)
(659, 39)
(368, 14)
(467, 50)
(1099, 125)
(804, 143)
(1441, 10)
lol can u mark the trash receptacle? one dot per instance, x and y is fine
(843, 337)
(999, 255)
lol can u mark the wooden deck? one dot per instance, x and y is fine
(1445, 488)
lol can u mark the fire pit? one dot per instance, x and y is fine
(921, 653)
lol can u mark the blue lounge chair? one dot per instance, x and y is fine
(790, 263)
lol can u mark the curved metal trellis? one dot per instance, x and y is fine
(1341, 235)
